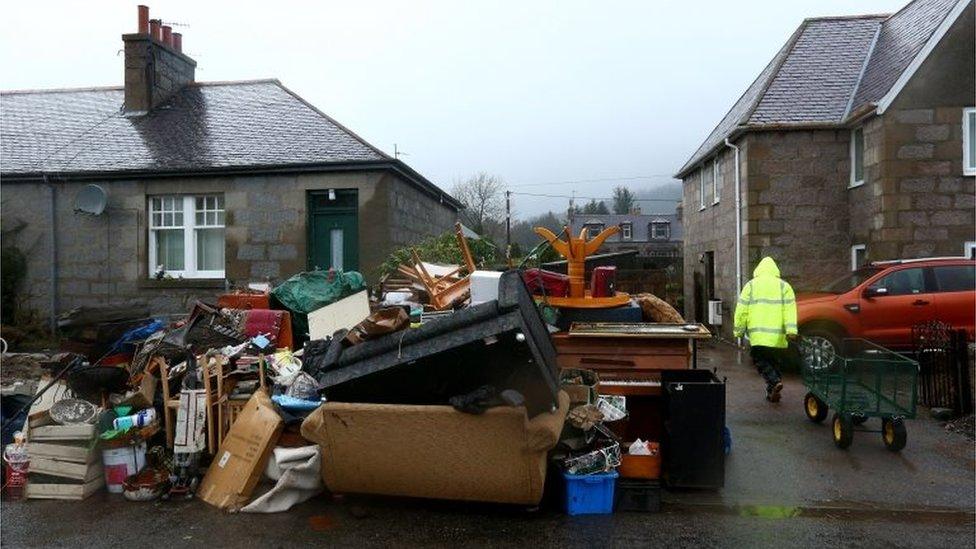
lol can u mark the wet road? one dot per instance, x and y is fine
(786, 485)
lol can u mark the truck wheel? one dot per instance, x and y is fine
(893, 433)
(819, 349)
(815, 408)
(843, 431)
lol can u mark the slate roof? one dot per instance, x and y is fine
(204, 126)
(829, 68)
(640, 225)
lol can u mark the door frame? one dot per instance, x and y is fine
(311, 210)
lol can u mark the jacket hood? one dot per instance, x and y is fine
(766, 267)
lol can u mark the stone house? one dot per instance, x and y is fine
(856, 143)
(214, 184)
(655, 237)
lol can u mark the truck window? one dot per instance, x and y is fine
(956, 278)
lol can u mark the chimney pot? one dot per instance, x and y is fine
(178, 42)
(168, 35)
(143, 19)
(154, 29)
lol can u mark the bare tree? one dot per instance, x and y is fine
(484, 202)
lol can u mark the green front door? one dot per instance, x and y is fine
(333, 230)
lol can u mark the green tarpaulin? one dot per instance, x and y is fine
(310, 291)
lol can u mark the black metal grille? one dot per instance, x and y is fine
(943, 380)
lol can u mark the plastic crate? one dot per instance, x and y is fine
(637, 495)
(590, 494)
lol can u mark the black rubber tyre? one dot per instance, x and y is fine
(858, 420)
(893, 433)
(815, 408)
(843, 431)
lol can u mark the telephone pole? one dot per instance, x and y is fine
(508, 226)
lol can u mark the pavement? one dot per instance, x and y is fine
(786, 484)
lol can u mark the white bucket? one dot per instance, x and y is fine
(121, 463)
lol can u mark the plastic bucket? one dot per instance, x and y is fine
(590, 494)
(15, 477)
(121, 463)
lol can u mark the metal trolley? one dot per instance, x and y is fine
(863, 381)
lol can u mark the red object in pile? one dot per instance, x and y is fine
(602, 281)
(244, 301)
(541, 282)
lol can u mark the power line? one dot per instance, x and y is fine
(671, 200)
(602, 180)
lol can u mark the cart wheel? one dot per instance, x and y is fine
(815, 408)
(843, 431)
(893, 433)
(858, 419)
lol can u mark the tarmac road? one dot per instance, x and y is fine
(786, 486)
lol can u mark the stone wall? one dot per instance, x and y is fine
(927, 203)
(711, 229)
(797, 210)
(104, 259)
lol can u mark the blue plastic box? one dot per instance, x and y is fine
(590, 494)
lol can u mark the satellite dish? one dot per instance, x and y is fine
(91, 200)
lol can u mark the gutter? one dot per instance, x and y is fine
(738, 221)
(54, 256)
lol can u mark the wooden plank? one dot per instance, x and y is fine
(36, 490)
(649, 330)
(81, 453)
(66, 469)
(82, 431)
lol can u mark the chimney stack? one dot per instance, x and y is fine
(143, 19)
(155, 66)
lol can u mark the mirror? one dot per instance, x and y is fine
(875, 291)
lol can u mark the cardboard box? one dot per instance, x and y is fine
(142, 397)
(242, 457)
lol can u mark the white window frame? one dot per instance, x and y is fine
(189, 229)
(715, 180)
(968, 163)
(626, 231)
(969, 250)
(701, 188)
(667, 230)
(853, 154)
(854, 249)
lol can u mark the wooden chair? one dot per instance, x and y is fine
(170, 405)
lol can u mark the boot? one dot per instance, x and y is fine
(773, 390)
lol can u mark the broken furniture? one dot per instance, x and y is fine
(447, 289)
(630, 359)
(503, 343)
(64, 463)
(435, 451)
(575, 251)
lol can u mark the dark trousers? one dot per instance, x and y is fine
(767, 361)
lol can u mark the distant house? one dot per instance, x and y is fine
(212, 184)
(857, 142)
(657, 238)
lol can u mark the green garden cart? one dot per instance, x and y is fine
(863, 381)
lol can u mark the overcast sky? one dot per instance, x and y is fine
(535, 92)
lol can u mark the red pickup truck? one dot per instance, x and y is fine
(883, 300)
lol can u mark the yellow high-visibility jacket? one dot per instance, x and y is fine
(766, 311)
